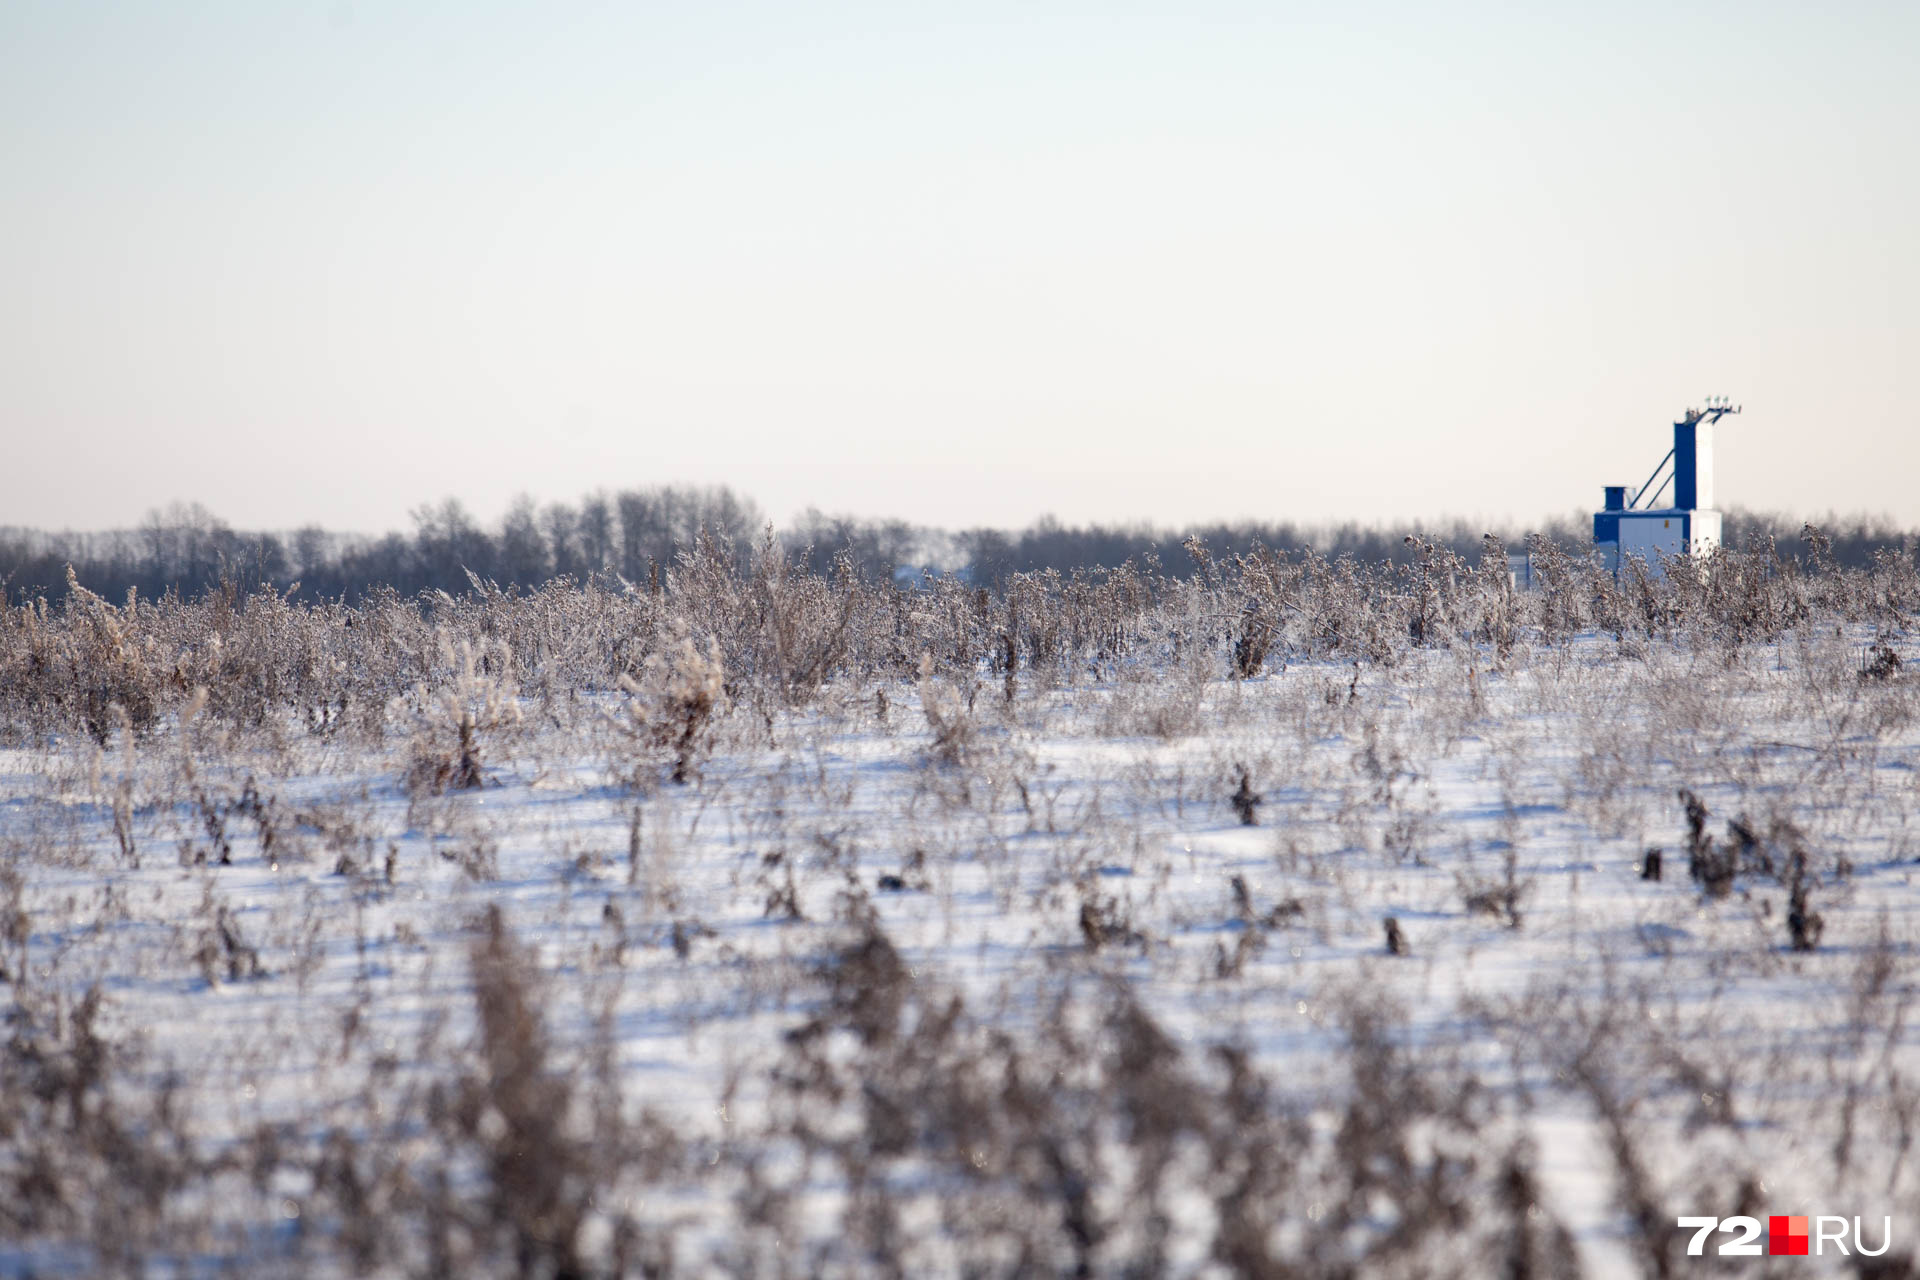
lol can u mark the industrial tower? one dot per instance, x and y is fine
(1691, 526)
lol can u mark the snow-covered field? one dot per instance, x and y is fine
(1114, 964)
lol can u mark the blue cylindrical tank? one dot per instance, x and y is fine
(1606, 524)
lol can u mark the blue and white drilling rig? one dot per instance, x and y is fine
(1629, 526)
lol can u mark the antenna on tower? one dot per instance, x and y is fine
(1717, 408)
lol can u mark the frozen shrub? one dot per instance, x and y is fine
(950, 719)
(514, 1111)
(223, 947)
(1710, 866)
(1269, 590)
(1105, 921)
(1500, 898)
(89, 1152)
(476, 700)
(805, 622)
(1494, 601)
(1881, 663)
(1804, 924)
(1085, 1146)
(16, 926)
(1246, 801)
(1559, 596)
(111, 679)
(1434, 582)
(672, 707)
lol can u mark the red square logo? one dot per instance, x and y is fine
(1787, 1235)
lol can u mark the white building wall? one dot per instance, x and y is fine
(1651, 534)
(1703, 469)
(1706, 532)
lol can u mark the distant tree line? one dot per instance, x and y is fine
(990, 554)
(187, 549)
(638, 533)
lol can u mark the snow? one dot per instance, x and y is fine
(1393, 800)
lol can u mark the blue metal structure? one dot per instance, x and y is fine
(1688, 527)
(1606, 522)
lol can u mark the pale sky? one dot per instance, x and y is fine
(964, 264)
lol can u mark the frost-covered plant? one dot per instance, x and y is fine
(804, 621)
(1268, 592)
(1435, 581)
(1560, 591)
(1496, 602)
(947, 715)
(673, 705)
(109, 666)
(479, 700)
